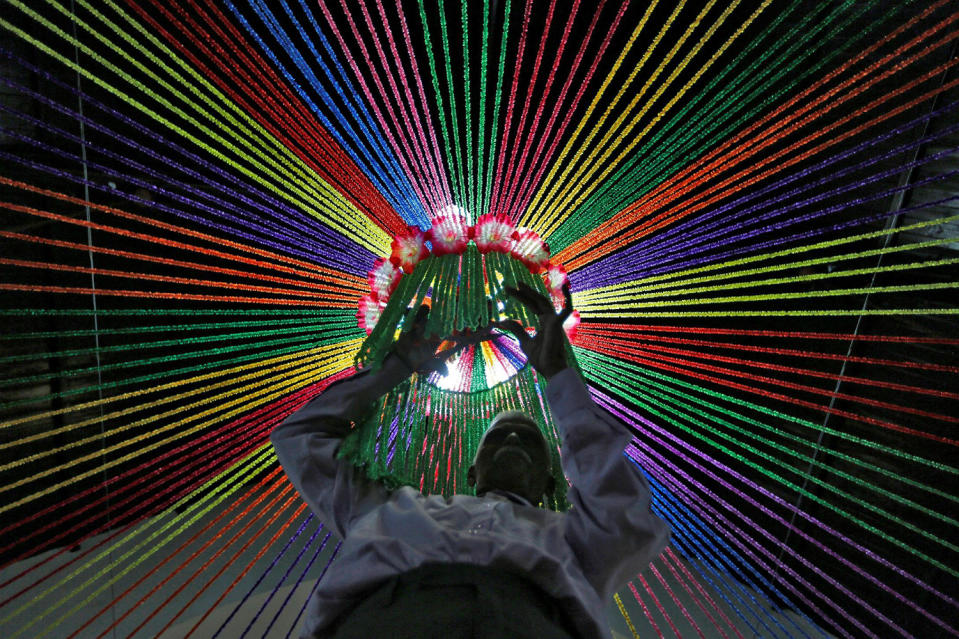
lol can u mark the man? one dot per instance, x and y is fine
(490, 565)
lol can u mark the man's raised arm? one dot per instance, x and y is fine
(610, 526)
(307, 442)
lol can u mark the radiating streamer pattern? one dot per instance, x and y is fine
(757, 204)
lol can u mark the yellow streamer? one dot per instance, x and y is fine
(231, 480)
(233, 381)
(117, 575)
(575, 181)
(587, 184)
(372, 236)
(530, 217)
(348, 212)
(354, 343)
(622, 611)
(245, 406)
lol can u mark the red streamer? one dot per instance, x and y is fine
(610, 236)
(317, 148)
(600, 348)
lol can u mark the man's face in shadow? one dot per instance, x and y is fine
(513, 456)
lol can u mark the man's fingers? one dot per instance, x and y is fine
(450, 352)
(530, 299)
(474, 337)
(422, 314)
(517, 330)
(418, 327)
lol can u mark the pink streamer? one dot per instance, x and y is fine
(399, 145)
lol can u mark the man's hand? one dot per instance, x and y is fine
(418, 352)
(546, 351)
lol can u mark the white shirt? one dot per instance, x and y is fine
(580, 558)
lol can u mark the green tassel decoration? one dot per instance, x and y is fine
(424, 433)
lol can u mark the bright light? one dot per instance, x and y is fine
(495, 356)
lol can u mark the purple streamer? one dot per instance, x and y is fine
(876, 557)
(391, 441)
(289, 595)
(725, 225)
(136, 181)
(806, 235)
(283, 578)
(272, 207)
(312, 590)
(728, 471)
(165, 161)
(694, 224)
(265, 572)
(629, 254)
(254, 240)
(710, 514)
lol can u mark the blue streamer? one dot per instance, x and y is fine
(386, 178)
(724, 561)
(289, 595)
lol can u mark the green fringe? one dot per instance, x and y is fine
(423, 436)
(426, 437)
(457, 288)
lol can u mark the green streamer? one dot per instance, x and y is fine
(638, 399)
(426, 436)
(600, 359)
(471, 174)
(485, 202)
(460, 168)
(441, 106)
(87, 312)
(690, 139)
(668, 395)
(417, 430)
(455, 287)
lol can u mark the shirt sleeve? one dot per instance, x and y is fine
(610, 526)
(306, 444)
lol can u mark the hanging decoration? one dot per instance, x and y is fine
(425, 432)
